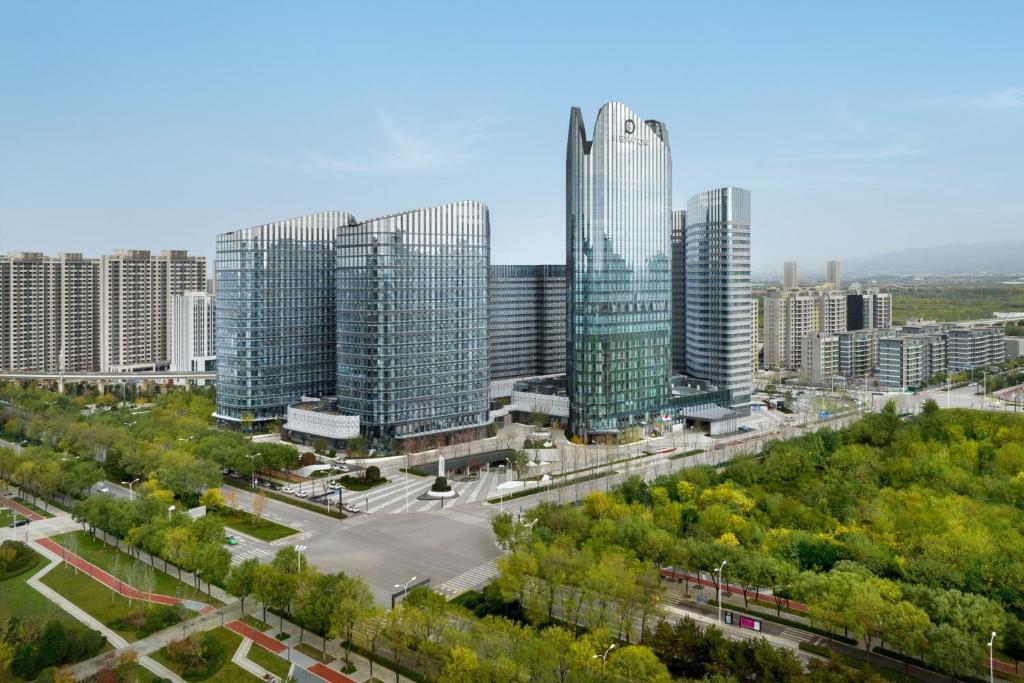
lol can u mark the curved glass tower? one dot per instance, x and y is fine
(412, 346)
(275, 315)
(618, 243)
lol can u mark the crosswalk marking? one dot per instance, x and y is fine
(468, 518)
(468, 580)
(793, 634)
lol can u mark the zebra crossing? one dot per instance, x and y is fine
(467, 518)
(250, 553)
(799, 636)
(468, 580)
(402, 494)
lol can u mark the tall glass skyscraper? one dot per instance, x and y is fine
(412, 321)
(527, 320)
(276, 315)
(718, 291)
(618, 244)
(679, 291)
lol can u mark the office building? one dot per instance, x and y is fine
(527, 321)
(718, 311)
(49, 312)
(136, 289)
(193, 339)
(820, 358)
(832, 278)
(679, 291)
(618, 244)
(858, 351)
(910, 360)
(868, 309)
(275, 313)
(412, 321)
(975, 347)
(789, 279)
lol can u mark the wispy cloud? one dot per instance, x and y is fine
(399, 150)
(880, 154)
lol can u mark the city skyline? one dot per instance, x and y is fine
(115, 151)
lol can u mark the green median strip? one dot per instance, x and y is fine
(269, 661)
(541, 489)
(244, 522)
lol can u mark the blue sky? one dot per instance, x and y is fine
(858, 127)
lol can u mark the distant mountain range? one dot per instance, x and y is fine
(947, 259)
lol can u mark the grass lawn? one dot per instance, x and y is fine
(263, 529)
(307, 649)
(250, 620)
(105, 557)
(227, 672)
(269, 661)
(5, 517)
(19, 600)
(34, 508)
(94, 598)
(132, 671)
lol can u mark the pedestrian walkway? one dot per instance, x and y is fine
(115, 583)
(468, 580)
(293, 655)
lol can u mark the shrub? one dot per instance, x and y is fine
(15, 557)
(58, 643)
(372, 474)
(441, 484)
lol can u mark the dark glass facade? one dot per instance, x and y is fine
(412, 319)
(527, 320)
(618, 243)
(679, 291)
(275, 315)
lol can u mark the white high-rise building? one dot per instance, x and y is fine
(718, 310)
(754, 340)
(193, 339)
(832, 278)
(832, 312)
(820, 357)
(789, 279)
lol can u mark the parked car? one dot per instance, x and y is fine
(334, 486)
(302, 493)
(21, 521)
(288, 489)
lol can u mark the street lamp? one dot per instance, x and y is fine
(991, 668)
(604, 657)
(298, 557)
(170, 509)
(252, 458)
(405, 589)
(719, 587)
(129, 484)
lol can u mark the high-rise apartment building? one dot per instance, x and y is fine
(679, 291)
(789, 316)
(858, 352)
(868, 309)
(975, 347)
(754, 336)
(136, 289)
(275, 306)
(618, 244)
(718, 311)
(412, 321)
(820, 357)
(789, 279)
(527, 320)
(49, 312)
(832, 277)
(832, 312)
(193, 347)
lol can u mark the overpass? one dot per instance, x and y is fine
(159, 376)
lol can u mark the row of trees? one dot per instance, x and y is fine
(195, 546)
(900, 533)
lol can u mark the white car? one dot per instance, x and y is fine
(288, 489)
(351, 508)
(302, 493)
(103, 488)
(334, 486)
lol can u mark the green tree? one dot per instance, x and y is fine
(241, 580)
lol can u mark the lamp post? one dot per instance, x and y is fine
(604, 657)
(130, 484)
(170, 509)
(991, 667)
(719, 587)
(405, 589)
(298, 558)
(252, 458)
